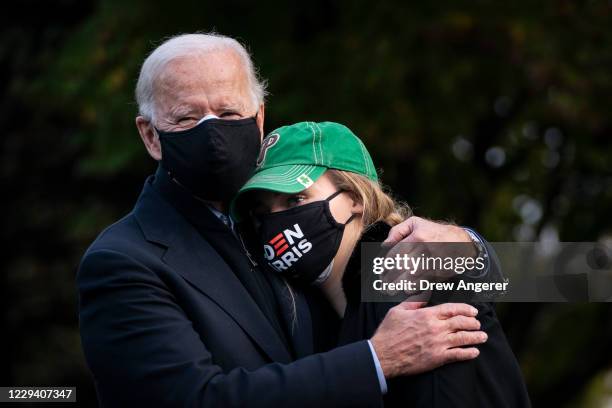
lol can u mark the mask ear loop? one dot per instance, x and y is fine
(331, 197)
(351, 218)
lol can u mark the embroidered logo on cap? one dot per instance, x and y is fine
(266, 144)
(305, 180)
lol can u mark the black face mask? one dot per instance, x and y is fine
(301, 242)
(214, 158)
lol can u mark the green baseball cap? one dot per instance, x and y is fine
(293, 157)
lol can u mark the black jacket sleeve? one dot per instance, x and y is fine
(143, 351)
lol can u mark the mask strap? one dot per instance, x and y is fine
(331, 197)
(351, 218)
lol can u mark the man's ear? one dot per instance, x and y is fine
(149, 137)
(260, 119)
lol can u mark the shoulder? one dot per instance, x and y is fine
(120, 236)
(122, 243)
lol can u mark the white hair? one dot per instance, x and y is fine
(188, 45)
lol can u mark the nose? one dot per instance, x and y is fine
(207, 117)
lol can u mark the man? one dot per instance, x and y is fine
(173, 310)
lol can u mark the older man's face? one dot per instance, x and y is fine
(195, 86)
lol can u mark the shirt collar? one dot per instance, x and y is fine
(225, 219)
(196, 211)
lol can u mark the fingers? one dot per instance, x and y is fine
(466, 338)
(460, 354)
(448, 310)
(401, 230)
(459, 323)
(411, 305)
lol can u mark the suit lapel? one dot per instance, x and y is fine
(197, 262)
(295, 314)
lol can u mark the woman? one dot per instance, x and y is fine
(315, 197)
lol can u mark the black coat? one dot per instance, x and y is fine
(493, 379)
(165, 320)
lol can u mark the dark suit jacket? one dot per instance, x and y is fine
(165, 321)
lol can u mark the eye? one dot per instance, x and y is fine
(185, 120)
(295, 200)
(230, 115)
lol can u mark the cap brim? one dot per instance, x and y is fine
(289, 179)
(284, 179)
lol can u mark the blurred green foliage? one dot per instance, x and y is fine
(494, 115)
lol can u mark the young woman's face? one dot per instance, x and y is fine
(342, 206)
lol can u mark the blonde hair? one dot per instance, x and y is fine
(378, 204)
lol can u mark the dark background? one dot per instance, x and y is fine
(495, 116)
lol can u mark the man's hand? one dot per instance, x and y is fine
(412, 340)
(416, 229)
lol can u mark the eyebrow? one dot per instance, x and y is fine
(181, 110)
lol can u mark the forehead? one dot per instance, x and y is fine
(208, 81)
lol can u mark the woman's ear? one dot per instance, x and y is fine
(357, 206)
